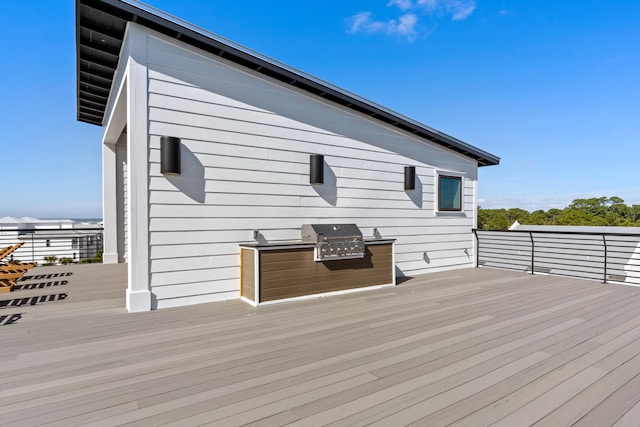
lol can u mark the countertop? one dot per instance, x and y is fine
(300, 244)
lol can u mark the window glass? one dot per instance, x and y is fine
(449, 193)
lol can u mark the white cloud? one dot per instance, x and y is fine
(529, 204)
(404, 26)
(545, 202)
(402, 4)
(359, 22)
(460, 9)
(429, 5)
(407, 25)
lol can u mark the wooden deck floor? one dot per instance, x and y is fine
(465, 348)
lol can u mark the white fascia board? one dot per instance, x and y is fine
(139, 296)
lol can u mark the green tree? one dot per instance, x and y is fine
(517, 214)
(493, 219)
(552, 216)
(595, 211)
(537, 217)
(594, 206)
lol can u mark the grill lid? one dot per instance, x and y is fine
(334, 241)
(316, 233)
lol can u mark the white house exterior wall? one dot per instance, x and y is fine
(245, 166)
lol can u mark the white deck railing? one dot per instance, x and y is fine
(54, 245)
(608, 257)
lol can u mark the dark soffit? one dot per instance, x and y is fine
(100, 28)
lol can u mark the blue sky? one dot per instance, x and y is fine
(552, 87)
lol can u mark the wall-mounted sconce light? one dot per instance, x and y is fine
(409, 177)
(256, 234)
(316, 169)
(170, 155)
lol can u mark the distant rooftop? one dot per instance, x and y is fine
(30, 222)
(100, 28)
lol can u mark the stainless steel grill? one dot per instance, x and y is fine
(334, 241)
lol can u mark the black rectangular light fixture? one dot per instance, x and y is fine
(170, 155)
(409, 177)
(316, 169)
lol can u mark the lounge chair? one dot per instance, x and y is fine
(20, 265)
(6, 285)
(11, 276)
(10, 273)
(13, 268)
(11, 264)
(5, 252)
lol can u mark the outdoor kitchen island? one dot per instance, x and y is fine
(289, 270)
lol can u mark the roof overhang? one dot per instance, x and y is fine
(100, 28)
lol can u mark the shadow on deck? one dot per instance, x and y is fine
(468, 347)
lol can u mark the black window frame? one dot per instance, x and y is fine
(453, 177)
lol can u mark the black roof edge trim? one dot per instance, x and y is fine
(155, 19)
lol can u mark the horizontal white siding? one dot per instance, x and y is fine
(245, 165)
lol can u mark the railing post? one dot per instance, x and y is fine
(475, 233)
(604, 240)
(533, 258)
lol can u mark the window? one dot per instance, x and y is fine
(449, 193)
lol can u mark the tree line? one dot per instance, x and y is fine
(596, 211)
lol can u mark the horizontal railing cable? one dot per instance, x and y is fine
(54, 246)
(608, 257)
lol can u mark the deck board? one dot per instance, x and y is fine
(469, 347)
